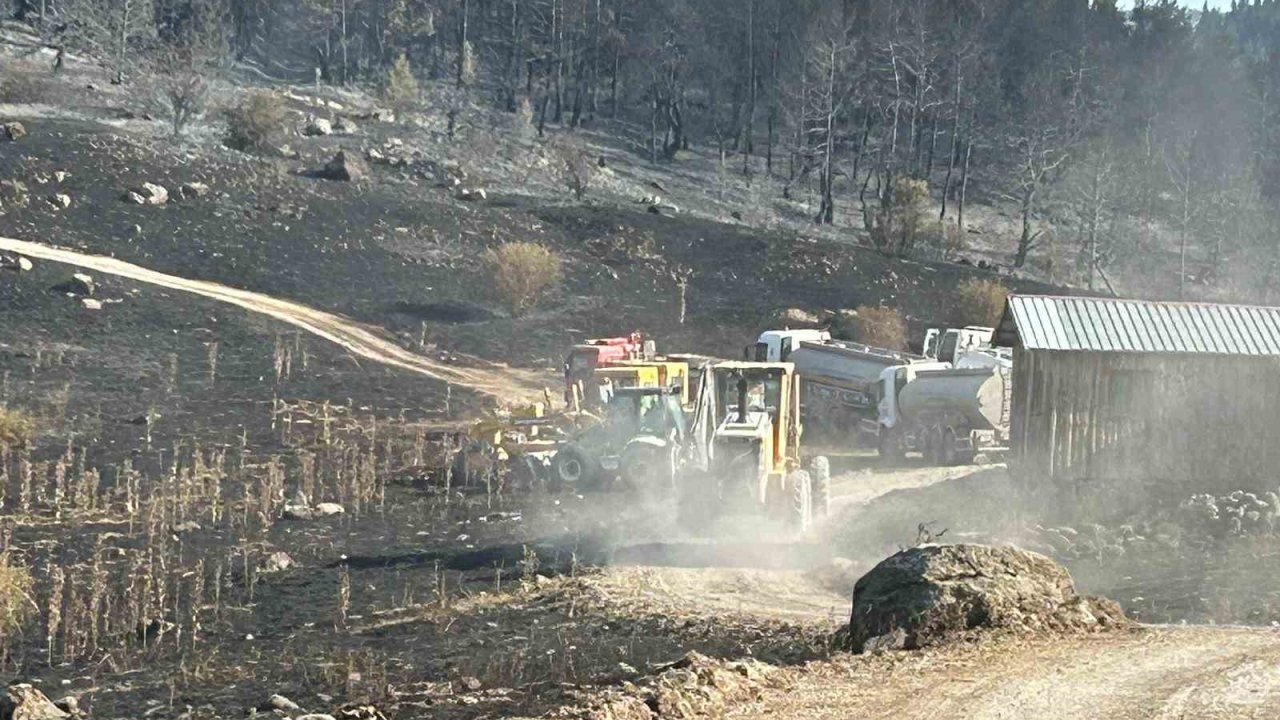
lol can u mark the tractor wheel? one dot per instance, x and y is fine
(820, 472)
(801, 500)
(948, 450)
(571, 468)
(649, 469)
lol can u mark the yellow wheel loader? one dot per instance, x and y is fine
(745, 444)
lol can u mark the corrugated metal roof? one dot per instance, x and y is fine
(1109, 325)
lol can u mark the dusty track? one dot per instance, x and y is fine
(504, 383)
(1150, 673)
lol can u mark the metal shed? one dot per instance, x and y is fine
(1138, 392)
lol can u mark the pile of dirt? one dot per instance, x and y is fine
(695, 686)
(924, 595)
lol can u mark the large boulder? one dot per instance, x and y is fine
(147, 194)
(13, 131)
(316, 127)
(344, 167)
(927, 594)
(24, 702)
(80, 284)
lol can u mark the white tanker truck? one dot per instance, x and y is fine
(948, 414)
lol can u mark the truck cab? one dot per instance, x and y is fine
(951, 344)
(775, 346)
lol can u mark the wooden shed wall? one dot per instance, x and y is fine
(1191, 421)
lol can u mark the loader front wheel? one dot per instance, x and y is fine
(820, 473)
(801, 500)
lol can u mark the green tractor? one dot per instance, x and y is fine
(640, 441)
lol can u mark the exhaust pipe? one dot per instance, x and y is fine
(742, 400)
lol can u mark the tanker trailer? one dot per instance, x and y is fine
(838, 383)
(948, 415)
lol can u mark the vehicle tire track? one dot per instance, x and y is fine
(504, 383)
(1152, 673)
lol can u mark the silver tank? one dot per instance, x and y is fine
(977, 396)
(847, 365)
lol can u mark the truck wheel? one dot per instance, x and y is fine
(801, 500)
(949, 456)
(889, 446)
(933, 446)
(820, 472)
(572, 468)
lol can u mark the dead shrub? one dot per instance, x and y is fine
(572, 167)
(979, 302)
(402, 89)
(183, 94)
(16, 428)
(903, 219)
(521, 273)
(15, 597)
(879, 326)
(257, 123)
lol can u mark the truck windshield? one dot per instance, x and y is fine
(947, 350)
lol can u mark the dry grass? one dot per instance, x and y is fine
(256, 123)
(979, 302)
(15, 598)
(880, 326)
(521, 274)
(903, 221)
(16, 428)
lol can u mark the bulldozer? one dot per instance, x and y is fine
(745, 449)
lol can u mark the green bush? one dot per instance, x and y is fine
(16, 429)
(879, 326)
(521, 273)
(979, 302)
(257, 123)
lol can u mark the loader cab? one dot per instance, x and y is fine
(759, 400)
(775, 346)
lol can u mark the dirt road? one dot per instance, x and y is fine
(505, 383)
(1195, 672)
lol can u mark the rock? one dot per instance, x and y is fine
(344, 167)
(69, 705)
(379, 115)
(147, 194)
(59, 175)
(186, 527)
(277, 561)
(13, 131)
(191, 190)
(287, 152)
(374, 155)
(314, 716)
(927, 594)
(280, 702)
(317, 126)
(297, 512)
(79, 284)
(473, 194)
(16, 263)
(59, 201)
(328, 509)
(24, 702)
(797, 318)
(13, 193)
(91, 304)
(469, 684)
(345, 126)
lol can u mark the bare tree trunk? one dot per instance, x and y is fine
(749, 129)
(513, 58)
(964, 185)
(773, 89)
(343, 42)
(1025, 238)
(826, 210)
(955, 143)
(462, 45)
